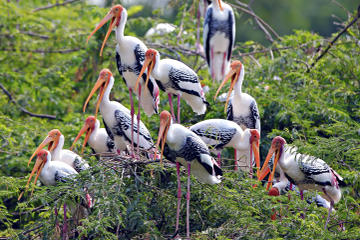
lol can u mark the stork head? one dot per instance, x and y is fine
(165, 122)
(52, 140)
(102, 83)
(149, 63)
(42, 157)
(234, 75)
(88, 127)
(277, 147)
(115, 16)
(254, 143)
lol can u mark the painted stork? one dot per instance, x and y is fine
(99, 140)
(50, 172)
(55, 140)
(221, 133)
(182, 146)
(219, 38)
(174, 77)
(241, 108)
(130, 55)
(116, 117)
(307, 172)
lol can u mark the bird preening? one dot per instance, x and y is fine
(193, 147)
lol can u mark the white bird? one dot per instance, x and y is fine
(219, 38)
(50, 172)
(242, 107)
(117, 118)
(221, 133)
(182, 146)
(55, 140)
(174, 77)
(130, 55)
(99, 140)
(306, 172)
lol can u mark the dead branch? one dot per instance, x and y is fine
(249, 11)
(30, 211)
(261, 26)
(11, 99)
(33, 34)
(41, 50)
(335, 39)
(54, 5)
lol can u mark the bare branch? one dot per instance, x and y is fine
(23, 109)
(54, 5)
(33, 34)
(249, 11)
(336, 38)
(42, 50)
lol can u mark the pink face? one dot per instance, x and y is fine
(90, 121)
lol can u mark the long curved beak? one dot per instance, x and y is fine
(86, 128)
(233, 75)
(109, 16)
(149, 64)
(265, 168)
(99, 84)
(164, 127)
(39, 164)
(46, 141)
(255, 150)
(220, 6)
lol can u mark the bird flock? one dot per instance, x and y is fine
(144, 73)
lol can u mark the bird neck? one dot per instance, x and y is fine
(56, 152)
(244, 143)
(95, 130)
(216, 4)
(238, 84)
(156, 70)
(119, 30)
(106, 97)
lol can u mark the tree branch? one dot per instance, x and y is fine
(258, 20)
(11, 99)
(41, 50)
(336, 38)
(54, 5)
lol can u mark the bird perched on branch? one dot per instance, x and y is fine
(130, 55)
(174, 77)
(307, 172)
(98, 139)
(219, 38)
(221, 133)
(55, 141)
(182, 146)
(116, 117)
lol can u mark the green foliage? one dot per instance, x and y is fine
(316, 111)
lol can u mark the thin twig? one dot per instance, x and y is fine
(11, 99)
(32, 229)
(54, 5)
(33, 34)
(336, 38)
(41, 50)
(30, 211)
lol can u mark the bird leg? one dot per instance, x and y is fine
(171, 106)
(138, 125)
(178, 197)
(302, 194)
(132, 111)
(330, 209)
(219, 159)
(212, 64)
(223, 66)
(65, 224)
(236, 161)
(178, 108)
(188, 204)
